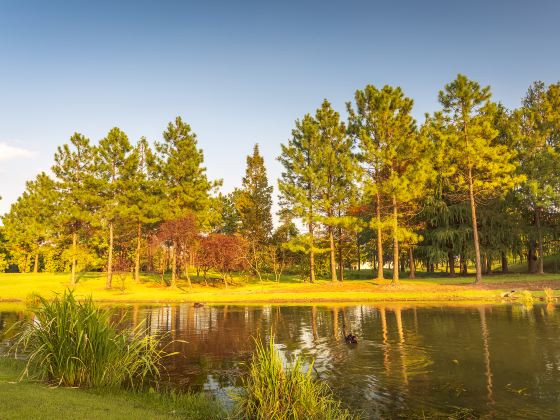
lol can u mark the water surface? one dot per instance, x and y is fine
(411, 361)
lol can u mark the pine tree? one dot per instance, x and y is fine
(141, 194)
(111, 157)
(482, 168)
(539, 155)
(298, 182)
(229, 220)
(395, 156)
(253, 203)
(254, 200)
(74, 165)
(184, 184)
(335, 173)
(29, 225)
(364, 126)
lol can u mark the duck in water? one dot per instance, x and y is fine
(351, 339)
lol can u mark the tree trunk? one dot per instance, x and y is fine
(174, 265)
(478, 266)
(109, 282)
(451, 260)
(358, 249)
(311, 254)
(504, 262)
(395, 243)
(332, 253)
(489, 264)
(379, 239)
(531, 256)
(340, 258)
(137, 256)
(412, 264)
(36, 263)
(74, 257)
(462, 264)
(540, 257)
(186, 269)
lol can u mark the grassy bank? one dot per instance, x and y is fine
(18, 288)
(30, 399)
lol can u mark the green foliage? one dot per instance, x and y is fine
(253, 201)
(183, 181)
(475, 182)
(395, 157)
(273, 392)
(74, 343)
(479, 165)
(229, 220)
(30, 224)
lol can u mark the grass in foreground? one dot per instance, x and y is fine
(33, 400)
(274, 392)
(75, 343)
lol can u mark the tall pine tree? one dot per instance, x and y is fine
(335, 173)
(74, 166)
(111, 157)
(183, 181)
(254, 200)
(482, 168)
(298, 182)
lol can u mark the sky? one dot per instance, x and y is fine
(240, 72)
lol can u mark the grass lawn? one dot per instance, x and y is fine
(16, 287)
(29, 399)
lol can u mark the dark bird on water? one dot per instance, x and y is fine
(351, 339)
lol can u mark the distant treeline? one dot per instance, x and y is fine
(474, 184)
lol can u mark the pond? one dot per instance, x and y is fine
(494, 361)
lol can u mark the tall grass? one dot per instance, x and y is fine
(274, 392)
(74, 343)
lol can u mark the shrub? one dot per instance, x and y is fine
(549, 295)
(527, 297)
(273, 392)
(75, 343)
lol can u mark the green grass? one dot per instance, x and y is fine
(33, 400)
(435, 287)
(274, 392)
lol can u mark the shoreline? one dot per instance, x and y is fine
(17, 289)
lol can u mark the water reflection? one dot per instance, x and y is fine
(486, 348)
(496, 360)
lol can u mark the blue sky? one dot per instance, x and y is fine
(242, 72)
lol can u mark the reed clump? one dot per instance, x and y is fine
(549, 295)
(73, 343)
(273, 392)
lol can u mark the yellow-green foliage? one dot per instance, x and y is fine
(527, 297)
(274, 392)
(549, 294)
